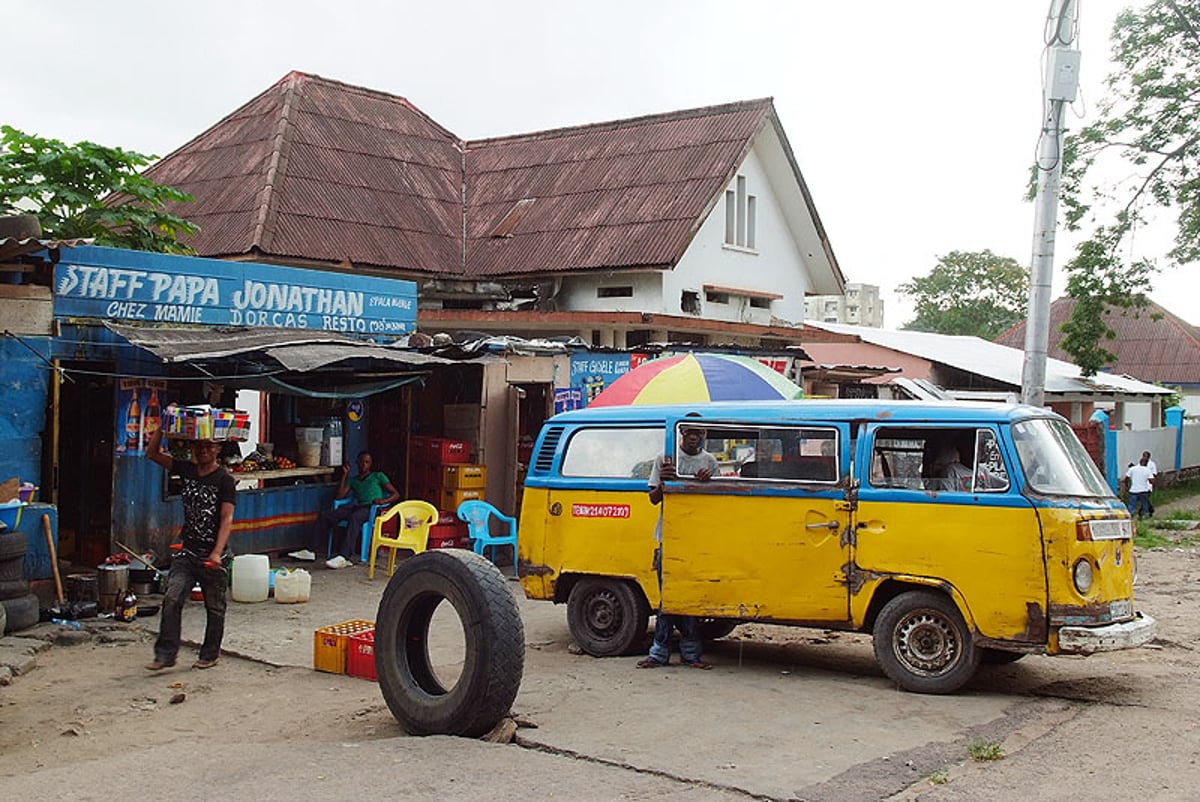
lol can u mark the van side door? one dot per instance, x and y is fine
(938, 506)
(766, 538)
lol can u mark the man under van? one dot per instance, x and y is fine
(694, 463)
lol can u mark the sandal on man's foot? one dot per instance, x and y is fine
(649, 662)
(698, 664)
(205, 663)
(159, 665)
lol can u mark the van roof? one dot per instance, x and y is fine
(825, 410)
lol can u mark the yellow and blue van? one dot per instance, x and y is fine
(951, 532)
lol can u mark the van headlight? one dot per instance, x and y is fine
(1084, 576)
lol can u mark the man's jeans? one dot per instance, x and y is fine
(691, 647)
(186, 570)
(354, 516)
(1138, 502)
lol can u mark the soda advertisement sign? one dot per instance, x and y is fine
(140, 403)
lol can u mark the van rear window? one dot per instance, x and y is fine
(613, 453)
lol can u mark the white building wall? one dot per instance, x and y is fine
(774, 266)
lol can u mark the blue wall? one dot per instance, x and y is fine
(24, 384)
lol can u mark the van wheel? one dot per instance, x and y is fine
(713, 628)
(607, 617)
(922, 642)
(493, 638)
(999, 657)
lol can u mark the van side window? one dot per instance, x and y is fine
(942, 460)
(613, 453)
(805, 454)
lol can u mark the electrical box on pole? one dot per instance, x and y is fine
(1062, 75)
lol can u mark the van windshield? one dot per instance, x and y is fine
(1054, 460)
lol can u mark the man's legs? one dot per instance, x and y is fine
(213, 582)
(179, 584)
(691, 645)
(319, 541)
(354, 523)
(1137, 503)
(660, 649)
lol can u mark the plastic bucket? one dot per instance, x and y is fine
(251, 578)
(310, 455)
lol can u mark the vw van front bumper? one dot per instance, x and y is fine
(1107, 638)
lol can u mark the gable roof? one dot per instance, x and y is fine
(314, 169)
(1151, 343)
(629, 193)
(994, 361)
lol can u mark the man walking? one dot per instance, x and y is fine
(209, 495)
(1141, 482)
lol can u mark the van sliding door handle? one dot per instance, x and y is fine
(832, 526)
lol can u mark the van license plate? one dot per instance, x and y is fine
(1120, 610)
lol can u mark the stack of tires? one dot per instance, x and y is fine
(19, 609)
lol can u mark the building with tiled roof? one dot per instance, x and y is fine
(691, 225)
(1151, 344)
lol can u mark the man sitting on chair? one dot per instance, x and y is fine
(369, 487)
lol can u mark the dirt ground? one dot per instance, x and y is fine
(787, 714)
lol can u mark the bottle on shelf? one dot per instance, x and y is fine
(152, 420)
(133, 424)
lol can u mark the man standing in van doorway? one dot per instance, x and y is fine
(698, 464)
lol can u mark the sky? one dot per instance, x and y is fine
(914, 123)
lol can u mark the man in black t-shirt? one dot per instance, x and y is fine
(209, 494)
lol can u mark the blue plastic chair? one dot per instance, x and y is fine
(478, 515)
(368, 527)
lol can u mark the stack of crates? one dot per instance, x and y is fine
(442, 473)
(331, 645)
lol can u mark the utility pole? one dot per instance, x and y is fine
(1059, 86)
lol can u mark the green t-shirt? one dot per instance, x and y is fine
(366, 489)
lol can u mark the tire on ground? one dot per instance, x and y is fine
(12, 546)
(22, 612)
(13, 588)
(494, 644)
(922, 642)
(607, 617)
(12, 570)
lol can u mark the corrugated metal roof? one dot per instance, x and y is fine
(1151, 343)
(992, 360)
(320, 170)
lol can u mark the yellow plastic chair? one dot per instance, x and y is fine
(412, 531)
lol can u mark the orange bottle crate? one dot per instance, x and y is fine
(463, 476)
(452, 498)
(330, 644)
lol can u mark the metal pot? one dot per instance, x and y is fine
(143, 588)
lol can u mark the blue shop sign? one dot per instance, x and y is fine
(591, 373)
(119, 284)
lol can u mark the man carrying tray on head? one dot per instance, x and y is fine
(209, 495)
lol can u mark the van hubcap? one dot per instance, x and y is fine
(603, 613)
(926, 642)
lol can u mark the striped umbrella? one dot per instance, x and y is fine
(695, 379)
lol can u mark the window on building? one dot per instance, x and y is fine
(741, 211)
(716, 297)
(614, 292)
(689, 302)
(760, 303)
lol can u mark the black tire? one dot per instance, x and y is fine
(12, 570)
(22, 612)
(999, 657)
(494, 639)
(922, 642)
(607, 617)
(713, 628)
(13, 588)
(12, 546)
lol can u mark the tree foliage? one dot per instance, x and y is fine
(974, 292)
(89, 190)
(1149, 120)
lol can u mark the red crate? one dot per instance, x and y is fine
(331, 644)
(360, 656)
(447, 542)
(447, 450)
